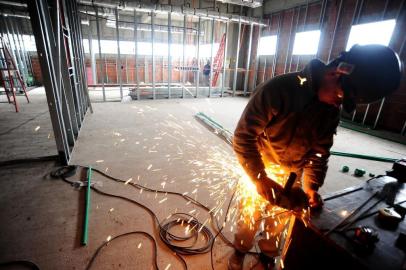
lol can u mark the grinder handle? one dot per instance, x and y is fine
(289, 183)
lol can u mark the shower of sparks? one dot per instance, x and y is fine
(108, 238)
(99, 161)
(111, 210)
(128, 181)
(139, 245)
(37, 128)
(168, 266)
(215, 176)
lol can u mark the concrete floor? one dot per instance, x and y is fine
(156, 143)
(28, 133)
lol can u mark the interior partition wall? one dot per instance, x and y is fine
(58, 39)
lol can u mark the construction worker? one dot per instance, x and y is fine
(290, 121)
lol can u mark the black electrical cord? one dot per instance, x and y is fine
(29, 160)
(29, 264)
(164, 228)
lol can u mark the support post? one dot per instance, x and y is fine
(247, 67)
(136, 54)
(275, 57)
(101, 59)
(119, 75)
(198, 58)
(211, 57)
(183, 56)
(152, 54)
(169, 54)
(224, 61)
(236, 56)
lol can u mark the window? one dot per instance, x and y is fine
(306, 43)
(267, 45)
(371, 33)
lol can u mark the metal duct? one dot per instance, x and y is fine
(132, 6)
(247, 3)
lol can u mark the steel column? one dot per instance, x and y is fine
(256, 67)
(120, 77)
(92, 58)
(275, 57)
(296, 27)
(101, 59)
(20, 63)
(224, 61)
(290, 35)
(169, 53)
(211, 57)
(183, 56)
(335, 30)
(136, 54)
(152, 54)
(237, 55)
(247, 67)
(303, 29)
(21, 51)
(198, 58)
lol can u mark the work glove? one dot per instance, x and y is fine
(314, 199)
(296, 199)
(264, 188)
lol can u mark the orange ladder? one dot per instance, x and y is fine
(10, 76)
(218, 60)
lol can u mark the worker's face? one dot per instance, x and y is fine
(330, 91)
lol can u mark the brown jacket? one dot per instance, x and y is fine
(285, 123)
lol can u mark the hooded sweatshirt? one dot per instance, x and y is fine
(284, 123)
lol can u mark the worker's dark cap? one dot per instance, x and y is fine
(370, 72)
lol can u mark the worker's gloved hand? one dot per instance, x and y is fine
(295, 200)
(264, 188)
(315, 200)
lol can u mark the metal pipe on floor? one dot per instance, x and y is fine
(169, 54)
(247, 67)
(120, 79)
(101, 59)
(198, 58)
(290, 35)
(237, 54)
(224, 61)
